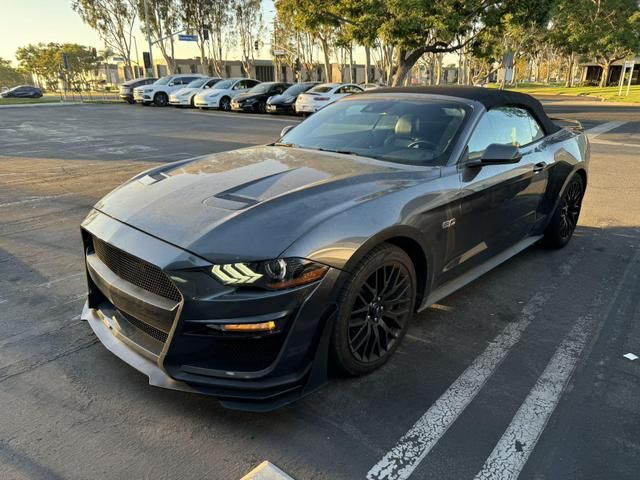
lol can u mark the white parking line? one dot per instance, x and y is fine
(413, 447)
(266, 471)
(400, 462)
(512, 451)
(603, 128)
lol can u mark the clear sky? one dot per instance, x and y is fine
(33, 21)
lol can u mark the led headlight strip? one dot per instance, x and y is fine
(235, 274)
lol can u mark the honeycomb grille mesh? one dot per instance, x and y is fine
(150, 330)
(136, 271)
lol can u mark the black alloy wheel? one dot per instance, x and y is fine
(161, 99)
(262, 107)
(374, 310)
(225, 104)
(565, 218)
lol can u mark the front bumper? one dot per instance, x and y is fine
(207, 103)
(245, 371)
(179, 101)
(242, 107)
(281, 108)
(141, 97)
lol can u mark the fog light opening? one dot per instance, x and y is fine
(250, 327)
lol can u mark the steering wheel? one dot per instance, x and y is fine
(417, 143)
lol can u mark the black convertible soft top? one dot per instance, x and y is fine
(489, 97)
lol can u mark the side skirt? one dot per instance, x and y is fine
(456, 284)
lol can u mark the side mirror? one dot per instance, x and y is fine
(497, 154)
(286, 130)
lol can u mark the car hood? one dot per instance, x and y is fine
(253, 203)
(278, 99)
(246, 96)
(184, 91)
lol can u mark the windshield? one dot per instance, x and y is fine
(413, 131)
(224, 84)
(296, 89)
(261, 88)
(197, 83)
(163, 80)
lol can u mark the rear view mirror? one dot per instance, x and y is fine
(497, 154)
(286, 130)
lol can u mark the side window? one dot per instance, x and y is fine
(250, 83)
(506, 126)
(210, 83)
(239, 85)
(341, 90)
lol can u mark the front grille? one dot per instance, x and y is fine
(150, 330)
(136, 271)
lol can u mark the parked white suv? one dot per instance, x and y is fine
(158, 92)
(220, 95)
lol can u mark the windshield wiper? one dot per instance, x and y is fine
(283, 144)
(343, 152)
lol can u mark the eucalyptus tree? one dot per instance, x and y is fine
(162, 23)
(249, 29)
(114, 21)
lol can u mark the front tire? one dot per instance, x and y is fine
(374, 309)
(565, 218)
(161, 99)
(225, 104)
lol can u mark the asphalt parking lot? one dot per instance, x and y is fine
(473, 392)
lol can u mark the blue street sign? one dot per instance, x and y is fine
(188, 38)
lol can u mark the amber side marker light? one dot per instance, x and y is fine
(250, 327)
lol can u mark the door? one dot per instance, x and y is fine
(499, 203)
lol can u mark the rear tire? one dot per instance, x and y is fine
(262, 107)
(565, 218)
(160, 99)
(374, 309)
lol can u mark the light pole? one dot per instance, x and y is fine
(137, 57)
(146, 21)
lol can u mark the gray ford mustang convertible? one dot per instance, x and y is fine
(251, 275)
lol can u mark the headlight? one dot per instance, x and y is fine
(275, 274)
(248, 101)
(148, 90)
(213, 95)
(289, 100)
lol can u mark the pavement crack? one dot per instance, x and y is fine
(38, 364)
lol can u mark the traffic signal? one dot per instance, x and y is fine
(65, 61)
(147, 60)
(94, 52)
(205, 32)
(256, 45)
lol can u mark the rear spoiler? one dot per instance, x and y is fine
(569, 123)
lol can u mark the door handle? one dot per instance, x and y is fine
(539, 167)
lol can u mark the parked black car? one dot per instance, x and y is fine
(126, 89)
(246, 274)
(255, 100)
(22, 91)
(286, 101)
